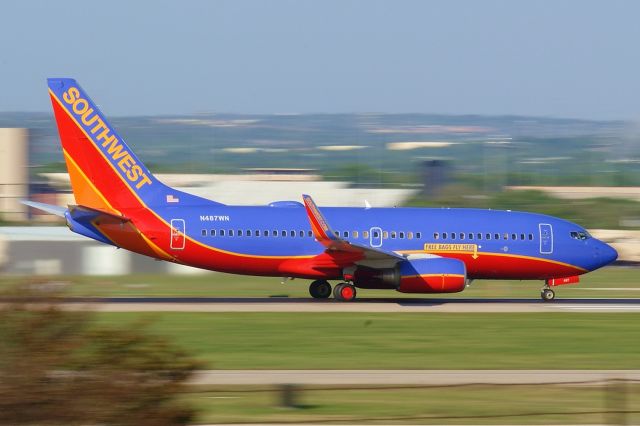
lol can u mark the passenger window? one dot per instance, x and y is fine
(376, 234)
(470, 235)
(530, 237)
(265, 233)
(283, 233)
(522, 237)
(310, 233)
(204, 232)
(418, 235)
(213, 232)
(487, 236)
(292, 233)
(444, 235)
(337, 233)
(274, 233)
(385, 235)
(345, 234)
(496, 236)
(453, 235)
(222, 232)
(393, 234)
(401, 235)
(479, 235)
(354, 234)
(513, 236)
(505, 236)
(301, 233)
(239, 232)
(436, 236)
(256, 233)
(230, 232)
(248, 232)
(365, 234)
(462, 235)
(410, 235)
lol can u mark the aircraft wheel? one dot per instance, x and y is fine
(320, 289)
(344, 292)
(547, 294)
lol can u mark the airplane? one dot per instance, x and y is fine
(410, 250)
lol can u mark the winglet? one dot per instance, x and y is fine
(319, 225)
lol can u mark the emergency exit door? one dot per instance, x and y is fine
(177, 234)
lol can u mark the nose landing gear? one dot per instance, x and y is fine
(547, 294)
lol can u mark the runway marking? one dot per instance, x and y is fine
(599, 307)
(612, 288)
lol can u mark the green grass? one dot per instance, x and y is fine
(400, 341)
(224, 285)
(439, 405)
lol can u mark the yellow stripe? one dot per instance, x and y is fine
(485, 253)
(433, 275)
(159, 217)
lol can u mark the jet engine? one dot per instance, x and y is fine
(432, 275)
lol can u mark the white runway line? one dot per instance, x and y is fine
(630, 308)
(612, 288)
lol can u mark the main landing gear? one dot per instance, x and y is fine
(343, 292)
(547, 294)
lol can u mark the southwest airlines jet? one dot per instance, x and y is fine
(410, 250)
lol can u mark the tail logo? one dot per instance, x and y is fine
(102, 136)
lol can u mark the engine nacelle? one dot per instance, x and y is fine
(434, 275)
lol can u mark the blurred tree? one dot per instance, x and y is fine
(58, 367)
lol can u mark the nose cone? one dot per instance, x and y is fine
(606, 254)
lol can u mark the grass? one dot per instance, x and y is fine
(400, 341)
(438, 405)
(224, 285)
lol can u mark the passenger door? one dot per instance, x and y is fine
(546, 238)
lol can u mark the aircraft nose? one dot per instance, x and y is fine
(606, 253)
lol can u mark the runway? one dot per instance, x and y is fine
(409, 377)
(369, 305)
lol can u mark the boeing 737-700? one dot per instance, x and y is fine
(410, 250)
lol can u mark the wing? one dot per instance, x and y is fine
(333, 243)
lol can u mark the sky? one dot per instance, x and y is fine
(556, 58)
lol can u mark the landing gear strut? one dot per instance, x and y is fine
(344, 292)
(547, 294)
(320, 289)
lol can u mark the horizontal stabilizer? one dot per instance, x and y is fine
(49, 208)
(88, 214)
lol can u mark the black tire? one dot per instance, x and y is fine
(547, 294)
(336, 291)
(344, 292)
(320, 289)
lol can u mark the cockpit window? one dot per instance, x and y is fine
(580, 235)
